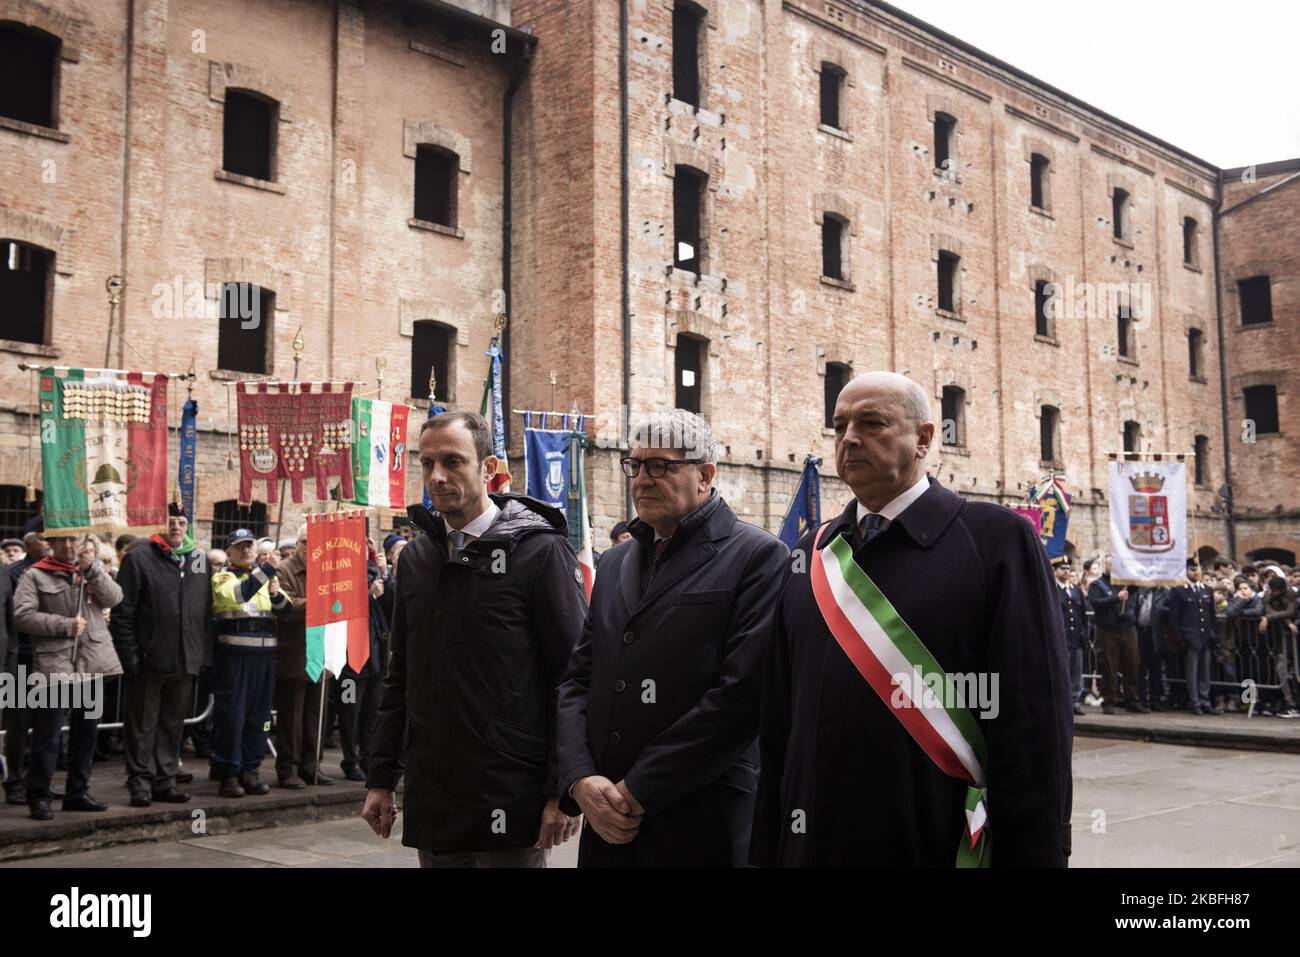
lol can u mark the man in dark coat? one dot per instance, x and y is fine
(163, 634)
(844, 780)
(1190, 616)
(1074, 616)
(297, 697)
(659, 709)
(490, 602)
(1115, 613)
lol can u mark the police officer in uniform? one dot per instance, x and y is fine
(1074, 612)
(1190, 616)
(246, 599)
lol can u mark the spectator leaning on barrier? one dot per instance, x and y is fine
(1280, 612)
(246, 598)
(163, 634)
(60, 603)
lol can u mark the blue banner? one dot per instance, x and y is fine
(1056, 521)
(185, 470)
(434, 409)
(806, 507)
(546, 462)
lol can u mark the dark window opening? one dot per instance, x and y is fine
(832, 81)
(431, 352)
(1132, 436)
(689, 372)
(837, 377)
(948, 281)
(1202, 446)
(832, 247)
(1256, 297)
(1038, 166)
(1195, 340)
(26, 278)
(953, 412)
(945, 128)
(14, 510)
(248, 136)
(688, 199)
(1124, 332)
(435, 185)
(1119, 212)
(29, 62)
(1261, 408)
(687, 24)
(229, 515)
(1042, 321)
(1189, 241)
(244, 333)
(1047, 426)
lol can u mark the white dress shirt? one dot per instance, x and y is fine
(897, 505)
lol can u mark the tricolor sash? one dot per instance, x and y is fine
(880, 645)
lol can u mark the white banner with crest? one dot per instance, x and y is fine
(1148, 522)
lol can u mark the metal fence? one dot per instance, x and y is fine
(1242, 657)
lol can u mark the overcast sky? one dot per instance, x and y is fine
(1216, 79)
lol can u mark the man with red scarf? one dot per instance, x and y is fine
(60, 603)
(163, 633)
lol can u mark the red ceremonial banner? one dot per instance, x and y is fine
(1032, 514)
(338, 608)
(292, 430)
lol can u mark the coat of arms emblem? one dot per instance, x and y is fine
(1148, 514)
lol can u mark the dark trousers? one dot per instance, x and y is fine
(1150, 680)
(47, 724)
(156, 708)
(358, 706)
(297, 720)
(244, 685)
(1197, 663)
(1120, 653)
(1076, 673)
(18, 720)
(515, 857)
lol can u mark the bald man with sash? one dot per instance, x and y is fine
(916, 698)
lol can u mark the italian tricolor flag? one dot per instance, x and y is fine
(103, 451)
(379, 453)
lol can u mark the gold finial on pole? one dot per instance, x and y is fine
(298, 345)
(433, 384)
(552, 388)
(500, 322)
(189, 385)
(381, 363)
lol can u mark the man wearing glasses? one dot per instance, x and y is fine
(658, 713)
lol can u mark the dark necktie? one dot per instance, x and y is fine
(457, 540)
(871, 527)
(659, 548)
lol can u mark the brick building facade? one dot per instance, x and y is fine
(806, 190)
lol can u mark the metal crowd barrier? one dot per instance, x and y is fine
(1267, 659)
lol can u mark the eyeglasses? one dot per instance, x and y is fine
(657, 468)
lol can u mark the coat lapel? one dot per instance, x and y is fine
(697, 550)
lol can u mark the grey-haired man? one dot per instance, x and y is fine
(659, 710)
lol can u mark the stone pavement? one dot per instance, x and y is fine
(1136, 804)
(1258, 733)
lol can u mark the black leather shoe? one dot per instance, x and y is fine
(40, 810)
(1137, 709)
(1078, 709)
(184, 777)
(83, 803)
(140, 799)
(292, 782)
(1207, 709)
(171, 796)
(354, 773)
(230, 788)
(17, 794)
(313, 778)
(252, 784)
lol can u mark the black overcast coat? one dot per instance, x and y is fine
(479, 644)
(685, 741)
(163, 625)
(973, 582)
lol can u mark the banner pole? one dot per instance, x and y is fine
(320, 727)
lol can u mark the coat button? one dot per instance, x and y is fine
(628, 638)
(620, 685)
(615, 737)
